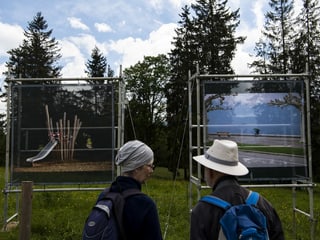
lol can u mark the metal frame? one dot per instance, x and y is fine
(17, 190)
(195, 180)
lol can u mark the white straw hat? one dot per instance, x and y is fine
(222, 156)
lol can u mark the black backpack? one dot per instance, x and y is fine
(105, 219)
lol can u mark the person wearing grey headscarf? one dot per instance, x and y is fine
(140, 215)
(133, 155)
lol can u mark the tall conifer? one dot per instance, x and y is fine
(205, 37)
(277, 39)
(97, 65)
(38, 55)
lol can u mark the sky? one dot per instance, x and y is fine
(124, 31)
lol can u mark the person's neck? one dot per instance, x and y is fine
(216, 177)
(221, 179)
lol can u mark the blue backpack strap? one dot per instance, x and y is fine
(252, 198)
(216, 201)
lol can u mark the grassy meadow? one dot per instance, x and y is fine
(60, 215)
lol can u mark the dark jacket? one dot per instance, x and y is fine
(205, 217)
(140, 215)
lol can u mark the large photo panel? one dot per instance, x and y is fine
(62, 133)
(266, 119)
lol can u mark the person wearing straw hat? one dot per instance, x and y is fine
(221, 168)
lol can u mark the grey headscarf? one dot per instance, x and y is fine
(133, 154)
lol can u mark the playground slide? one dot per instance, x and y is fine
(44, 152)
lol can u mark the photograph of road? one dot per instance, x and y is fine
(265, 119)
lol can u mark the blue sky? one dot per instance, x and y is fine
(123, 30)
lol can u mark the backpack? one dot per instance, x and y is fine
(244, 221)
(105, 219)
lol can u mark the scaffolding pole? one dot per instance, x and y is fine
(196, 180)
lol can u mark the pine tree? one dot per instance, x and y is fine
(307, 53)
(36, 57)
(110, 72)
(97, 66)
(291, 50)
(2, 139)
(215, 27)
(38, 54)
(278, 39)
(307, 45)
(261, 64)
(183, 58)
(206, 36)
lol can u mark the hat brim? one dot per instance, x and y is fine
(238, 170)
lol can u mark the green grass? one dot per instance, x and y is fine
(60, 215)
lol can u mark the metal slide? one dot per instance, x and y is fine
(44, 152)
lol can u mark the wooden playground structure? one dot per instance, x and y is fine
(64, 137)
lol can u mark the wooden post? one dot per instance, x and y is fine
(26, 210)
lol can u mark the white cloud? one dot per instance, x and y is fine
(258, 9)
(10, 37)
(298, 5)
(162, 4)
(85, 42)
(160, 40)
(242, 56)
(130, 49)
(76, 23)
(72, 59)
(2, 70)
(75, 52)
(252, 32)
(134, 49)
(74, 67)
(157, 4)
(103, 27)
(241, 60)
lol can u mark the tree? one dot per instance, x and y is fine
(97, 66)
(145, 84)
(38, 54)
(110, 72)
(261, 64)
(307, 45)
(205, 36)
(284, 49)
(36, 57)
(182, 59)
(2, 139)
(278, 39)
(306, 52)
(215, 26)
